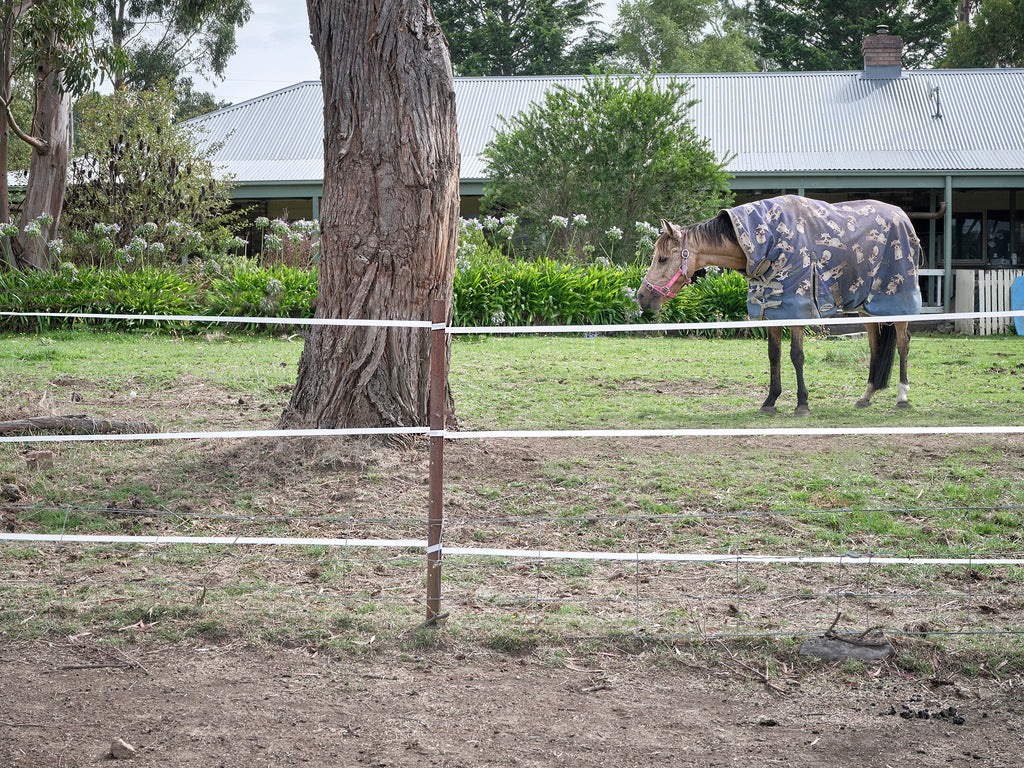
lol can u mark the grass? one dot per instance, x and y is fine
(120, 362)
(917, 495)
(554, 382)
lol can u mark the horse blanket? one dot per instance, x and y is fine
(807, 258)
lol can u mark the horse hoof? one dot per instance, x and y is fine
(863, 403)
(903, 404)
(802, 411)
(768, 410)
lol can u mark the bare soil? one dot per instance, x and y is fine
(229, 700)
(65, 703)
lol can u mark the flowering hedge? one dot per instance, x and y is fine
(491, 289)
(541, 292)
(158, 245)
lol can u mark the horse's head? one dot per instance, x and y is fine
(670, 270)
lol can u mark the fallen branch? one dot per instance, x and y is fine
(761, 677)
(74, 425)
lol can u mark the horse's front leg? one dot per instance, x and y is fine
(903, 346)
(796, 354)
(775, 368)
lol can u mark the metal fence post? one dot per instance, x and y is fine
(438, 379)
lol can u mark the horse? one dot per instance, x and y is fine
(804, 259)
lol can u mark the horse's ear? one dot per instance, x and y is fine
(669, 229)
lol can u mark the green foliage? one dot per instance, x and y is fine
(57, 35)
(620, 149)
(492, 290)
(543, 292)
(683, 36)
(993, 37)
(488, 291)
(236, 291)
(244, 289)
(163, 38)
(143, 175)
(521, 37)
(18, 152)
(719, 296)
(811, 35)
(145, 291)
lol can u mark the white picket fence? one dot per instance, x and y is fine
(993, 289)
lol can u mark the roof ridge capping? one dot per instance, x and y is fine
(254, 99)
(883, 55)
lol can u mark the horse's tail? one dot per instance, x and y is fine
(885, 352)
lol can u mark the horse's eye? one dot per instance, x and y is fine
(662, 259)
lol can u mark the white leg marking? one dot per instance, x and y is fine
(903, 393)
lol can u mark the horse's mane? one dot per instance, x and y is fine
(716, 231)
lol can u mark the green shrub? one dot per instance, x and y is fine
(542, 292)
(244, 289)
(239, 291)
(599, 156)
(490, 290)
(718, 296)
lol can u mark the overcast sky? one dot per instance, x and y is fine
(274, 52)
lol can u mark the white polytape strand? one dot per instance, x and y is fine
(88, 538)
(850, 558)
(216, 435)
(931, 317)
(219, 319)
(643, 327)
(736, 432)
(531, 433)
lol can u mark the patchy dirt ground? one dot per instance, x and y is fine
(224, 701)
(64, 704)
(213, 697)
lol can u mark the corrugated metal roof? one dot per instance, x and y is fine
(278, 137)
(794, 122)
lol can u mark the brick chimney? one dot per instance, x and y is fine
(883, 55)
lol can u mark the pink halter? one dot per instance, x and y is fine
(666, 289)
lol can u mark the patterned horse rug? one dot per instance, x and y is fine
(807, 258)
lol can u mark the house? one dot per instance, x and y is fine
(943, 144)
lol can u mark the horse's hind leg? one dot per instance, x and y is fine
(903, 346)
(775, 367)
(884, 341)
(872, 331)
(796, 355)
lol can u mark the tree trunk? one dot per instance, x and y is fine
(48, 169)
(390, 212)
(6, 53)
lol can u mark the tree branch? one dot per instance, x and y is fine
(41, 145)
(76, 425)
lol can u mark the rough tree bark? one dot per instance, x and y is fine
(390, 212)
(6, 53)
(48, 168)
(49, 137)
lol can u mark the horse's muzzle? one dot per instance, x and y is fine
(648, 299)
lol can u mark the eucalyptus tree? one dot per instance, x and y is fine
(991, 35)
(164, 38)
(52, 40)
(389, 219)
(826, 35)
(522, 37)
(683, 36)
